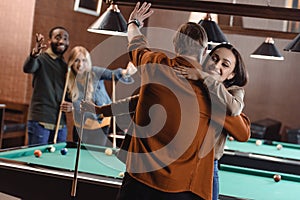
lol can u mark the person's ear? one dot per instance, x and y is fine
(231, 76)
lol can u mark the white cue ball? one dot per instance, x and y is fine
(258, 142)
(108, 151)
(279, 146)
(121, 174)
(52, 149)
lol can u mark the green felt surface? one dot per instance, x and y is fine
(291, 151)
(257, 184)
(91, 160)
(234, 181)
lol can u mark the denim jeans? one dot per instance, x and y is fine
(37, 134)
(215, 181)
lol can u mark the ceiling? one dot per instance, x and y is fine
(243, 10)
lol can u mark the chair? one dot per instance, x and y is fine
(13, 124)
(266, 129)
(293, 136)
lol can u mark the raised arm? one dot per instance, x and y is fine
(31, 64)
(136, 19)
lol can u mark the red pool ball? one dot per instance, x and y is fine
(277, 177)
(64, 151)
(37, 153)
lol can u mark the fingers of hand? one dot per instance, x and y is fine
(143, 7)
(136, 7)
(143, 10)
(39, 38)
(180, 68)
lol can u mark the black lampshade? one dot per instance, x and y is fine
(111, 22)
(267, 50)
(214, 33)
(294, 45)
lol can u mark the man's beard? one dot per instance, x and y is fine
(57, 52)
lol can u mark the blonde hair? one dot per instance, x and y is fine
(75, 79)
(190, 39)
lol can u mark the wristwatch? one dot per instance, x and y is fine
(134, 21)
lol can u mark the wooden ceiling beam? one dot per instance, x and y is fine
(257, 32)
(267, 12)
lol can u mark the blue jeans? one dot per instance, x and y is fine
(37, 134)
(215, 181)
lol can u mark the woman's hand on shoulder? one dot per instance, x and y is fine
(189, 73)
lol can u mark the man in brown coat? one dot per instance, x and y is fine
(170, 155)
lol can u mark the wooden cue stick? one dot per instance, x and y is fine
(114, 117)
(74, 182)
(60, 111)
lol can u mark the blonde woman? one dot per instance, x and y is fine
(95, 129)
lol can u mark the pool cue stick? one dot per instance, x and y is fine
(60, 111)
(114, 117)
(74, 182)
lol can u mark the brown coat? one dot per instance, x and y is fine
(171, 147)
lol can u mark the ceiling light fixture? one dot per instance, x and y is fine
(111, 22)
(214, 33)
(294, 45)
(267, 50)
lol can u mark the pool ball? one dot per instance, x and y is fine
(121, 174)
(277, 177)
(258, 142)
(230, 138)
(51, 148)
(37, 153)
(279, 146)
(108, 151)
(64, 151)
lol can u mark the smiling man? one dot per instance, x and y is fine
(49, 74)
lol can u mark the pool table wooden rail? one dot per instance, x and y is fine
(257, 158)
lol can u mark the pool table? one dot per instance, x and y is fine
(50, 176)
(265, 156)
(247, 183)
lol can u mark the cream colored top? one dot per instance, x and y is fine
(232, 98)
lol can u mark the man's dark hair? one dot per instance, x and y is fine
(57, 27)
